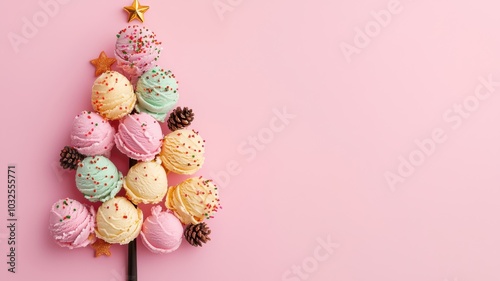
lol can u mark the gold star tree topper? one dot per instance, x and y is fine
(136, 11)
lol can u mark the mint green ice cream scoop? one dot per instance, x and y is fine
(156, 93)
(98, 178)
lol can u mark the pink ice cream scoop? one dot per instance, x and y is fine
(161, 232)
(71, 223)
(92, 135)
(139, 137)
(136, 51)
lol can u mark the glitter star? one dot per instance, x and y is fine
(136, 11)
(101, 247)
(102, 63)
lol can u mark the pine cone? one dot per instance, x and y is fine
(70, 158)
(180, 118)
(197, 234)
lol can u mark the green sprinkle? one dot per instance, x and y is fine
(117, 35)
(57, 206)
(74, 210)
(193, 156)
(96, 124)
(68, 217)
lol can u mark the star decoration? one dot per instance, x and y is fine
(101, 247)
(136, 11)
(102, 63)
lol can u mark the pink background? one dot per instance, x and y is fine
(319, 177)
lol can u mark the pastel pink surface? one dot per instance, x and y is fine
(161, 231)
(139, 136)
(318, 174)
(92, 135)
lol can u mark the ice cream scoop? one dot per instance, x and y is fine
(98, 178)
(118, 221)
(161, 232)
(146, 182)
(136, 50)
(156, 93)
(72, 223)
(139, 137)
(183, 152)
(193, 200)
(113, 95)
(92, 135)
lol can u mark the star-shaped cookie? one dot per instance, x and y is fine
(101, 247)
(102, 63)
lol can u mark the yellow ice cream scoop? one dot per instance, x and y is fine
(146, 182)
(118, 221)
(193, 200)
(113, 95)
(183, 152)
